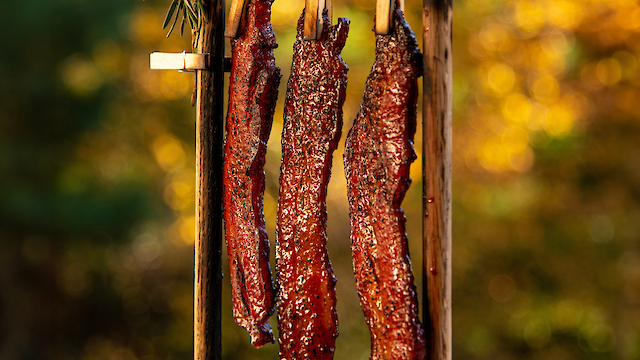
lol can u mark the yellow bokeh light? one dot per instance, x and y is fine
(539, 114)
(557, 43)
(609, 71)
(546, 60)
(365, 5)
(493, 156)
(628, 63)
(180, 194)
(629, 19)
(515, 139)
(524, 63)
(165, 85)
(565, 14)
(479, 6)
(579, 103)
(517, 108)
(509, 151)
(529, 16)
(522, 161)
(146, 26)
(175, 85)
(183, 230)
(168, 151)
(546, 88)
(476, 48)
(501, 78)
(560, 120)
(285, 14)
(186, 226)
(493, 35)
(146, 83)
(415, 171)
(270, 207)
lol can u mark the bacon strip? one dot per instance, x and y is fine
(378, 154)
(307, 319)
(253, 92)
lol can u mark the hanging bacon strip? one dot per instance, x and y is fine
(307, 319)
(253, 92)
(378, 154)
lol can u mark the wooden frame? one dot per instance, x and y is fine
(436, 172)
(209, 63)
(209, 140)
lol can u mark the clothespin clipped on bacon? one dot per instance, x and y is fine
(312, 20)
(313, 10)
(236, 17)
(384, 15)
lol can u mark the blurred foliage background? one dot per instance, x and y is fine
(97, 181)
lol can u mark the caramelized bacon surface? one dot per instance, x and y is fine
(307, 319)
(378, 154)
(253, 92)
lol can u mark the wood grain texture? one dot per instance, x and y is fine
(437, 112)
(235, 18)
(311, 19)
(384, 17)
(209, 141)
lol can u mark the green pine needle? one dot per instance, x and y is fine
(192, 10)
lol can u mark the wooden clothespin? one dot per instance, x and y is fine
(313, 17)
(236, 15)
(178, 61)
(182, 61)
(384, 15)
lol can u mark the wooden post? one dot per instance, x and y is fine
(437, 112)
(209, 137)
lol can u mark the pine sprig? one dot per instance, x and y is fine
(192, 10)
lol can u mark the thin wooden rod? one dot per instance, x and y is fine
(437, 112)
(209, 137)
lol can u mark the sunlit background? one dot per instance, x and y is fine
(97, 181)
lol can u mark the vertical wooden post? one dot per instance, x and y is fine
(209, 137)
(437, 112)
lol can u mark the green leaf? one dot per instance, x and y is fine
(190, 8)
(184, 16)
(194, 27)
(176, 20)
(172, 8)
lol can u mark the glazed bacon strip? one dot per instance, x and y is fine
(307, 319)
(378, 154)
(253, 92)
